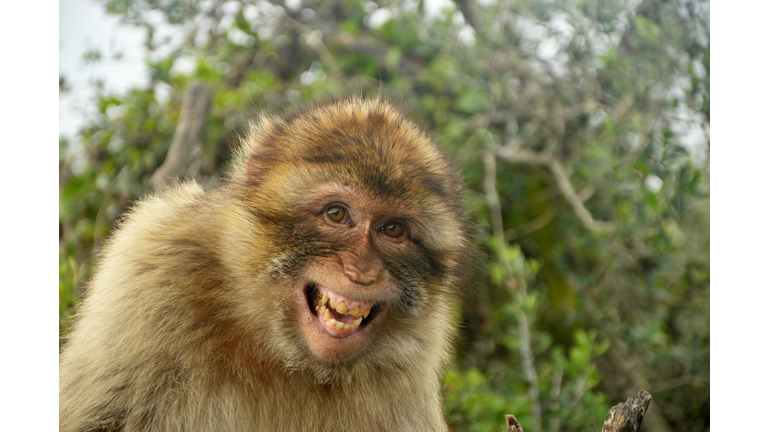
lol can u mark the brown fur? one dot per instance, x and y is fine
(193, 320)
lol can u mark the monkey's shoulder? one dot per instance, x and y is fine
(167, 236)
(169, 216)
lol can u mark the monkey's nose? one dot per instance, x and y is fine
(355, 275)
(362, 273)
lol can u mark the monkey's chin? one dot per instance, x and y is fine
(325, 341)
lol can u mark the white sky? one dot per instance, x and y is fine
(83, 25)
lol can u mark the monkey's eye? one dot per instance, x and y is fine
(393, 229)
(336, 214)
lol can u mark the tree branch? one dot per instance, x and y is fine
(517, 155)
(469, 10)
(628, 416)
(494, 207)
(512, 424)
(491, 195)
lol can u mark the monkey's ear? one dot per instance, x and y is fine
(252, 145)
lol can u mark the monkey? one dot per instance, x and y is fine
(314, 289)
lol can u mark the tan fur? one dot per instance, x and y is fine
(192, 323)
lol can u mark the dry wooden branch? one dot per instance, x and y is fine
(624, 417)
(512, 424)
(628, 416)
(185, 155)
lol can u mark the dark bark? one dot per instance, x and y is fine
(628, 416)
(512, 424)
(185, 155)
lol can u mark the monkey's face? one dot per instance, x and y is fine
(347, 290)
(364, 231)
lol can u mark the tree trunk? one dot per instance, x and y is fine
(185, 155)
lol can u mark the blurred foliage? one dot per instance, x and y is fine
(598, 280)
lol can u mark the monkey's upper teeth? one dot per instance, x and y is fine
(340, 315)
(341, 307)
(344, 305)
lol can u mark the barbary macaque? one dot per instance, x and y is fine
(314, 290)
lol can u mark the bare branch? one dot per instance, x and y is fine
(491, 195)
(526, 352)
(317, 44)
(628, 416)
(518, 155)
(531, 226)
(492, 199)
(512, 424)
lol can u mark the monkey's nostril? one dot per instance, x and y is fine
(359, 277)
(362, 280)
(354, 276)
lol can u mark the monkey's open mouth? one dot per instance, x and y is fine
(339, 315)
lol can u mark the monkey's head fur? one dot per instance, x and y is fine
(362, 213)
(332, 255)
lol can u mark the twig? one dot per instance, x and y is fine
(517, 155)
(534, 225)
(492, 196)
(315, 41)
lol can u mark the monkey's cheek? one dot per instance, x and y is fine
(331, 348)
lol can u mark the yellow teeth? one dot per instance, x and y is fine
(324, 313)
(339, 327)
(341, 307)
